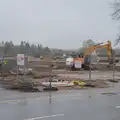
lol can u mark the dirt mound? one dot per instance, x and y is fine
(26, 84)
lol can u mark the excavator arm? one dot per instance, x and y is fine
(107, 46)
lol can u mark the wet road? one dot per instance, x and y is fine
(64, 105)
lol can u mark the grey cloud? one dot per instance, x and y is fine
(56, 23)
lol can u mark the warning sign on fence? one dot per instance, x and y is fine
(20, 59)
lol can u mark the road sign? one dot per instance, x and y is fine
(20, 59)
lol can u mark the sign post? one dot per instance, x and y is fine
(113, 66)
(20, 62)
(2, 65)
(90, 70)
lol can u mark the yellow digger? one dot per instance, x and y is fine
(85, 59)
(93, 48)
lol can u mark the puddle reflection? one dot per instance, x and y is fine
(50, 98)
(23, 101)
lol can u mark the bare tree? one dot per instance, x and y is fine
(116, 12)
(9, 48)
(116, 16)
(86, 44)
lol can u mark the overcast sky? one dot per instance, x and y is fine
(56, 23)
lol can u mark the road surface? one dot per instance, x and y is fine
(63, 105)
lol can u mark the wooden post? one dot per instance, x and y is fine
(90, 70)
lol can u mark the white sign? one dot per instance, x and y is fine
(69, 61)
(20, 59)
(77, 64)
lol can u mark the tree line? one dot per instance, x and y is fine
(9, 49)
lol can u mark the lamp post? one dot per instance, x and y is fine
(114, 65)
(2, 59)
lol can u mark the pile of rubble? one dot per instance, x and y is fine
(27, 84)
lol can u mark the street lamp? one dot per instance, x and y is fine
(2, 59)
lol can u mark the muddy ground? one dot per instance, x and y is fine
(100, 77)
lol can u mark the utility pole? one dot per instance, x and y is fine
(90, 70)
(89, 92)
(17, 72)
(50, 75)
(3, 69)
(50, 72)
(50, 79)
(24, 66)
(25, 63)
(2, 65)
(114, 66)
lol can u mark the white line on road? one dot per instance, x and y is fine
(117, 106)
(43, 117)
(41, 98)
(7, 101)
(47, 97)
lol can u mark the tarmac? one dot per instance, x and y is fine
(62, 105)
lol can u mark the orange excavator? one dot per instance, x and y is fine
(93, 48)
(85, 59)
